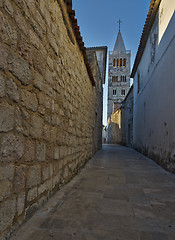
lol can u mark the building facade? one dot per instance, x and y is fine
(97, 58)
(118, 75)
(154, 86)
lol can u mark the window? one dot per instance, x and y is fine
(124, 62)
(123, 78)
(120, 62)
(114, 92)
(123, 92)
(115, 79)
(113, 62)
(117, 62)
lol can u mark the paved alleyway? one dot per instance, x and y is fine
(119, 195)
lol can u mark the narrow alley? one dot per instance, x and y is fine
(119, 195)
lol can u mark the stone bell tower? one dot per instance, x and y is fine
(118, 74)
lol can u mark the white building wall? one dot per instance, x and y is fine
(154, 105)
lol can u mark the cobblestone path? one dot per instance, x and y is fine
(119, 195)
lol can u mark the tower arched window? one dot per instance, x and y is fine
(114, 92)
(117, 62)
(120, 62)
(114, 78)
(121, 78)
(114, 62)
(125, 78)
(123, 92)
(124, 62)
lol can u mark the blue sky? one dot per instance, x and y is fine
(98, 25)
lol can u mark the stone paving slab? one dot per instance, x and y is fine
(119, 195)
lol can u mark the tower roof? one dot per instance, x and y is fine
(119, 46)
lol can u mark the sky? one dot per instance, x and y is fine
(98, 19)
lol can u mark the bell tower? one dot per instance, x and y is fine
(118, 74)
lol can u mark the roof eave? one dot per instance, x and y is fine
(79, 39)
(154, 4)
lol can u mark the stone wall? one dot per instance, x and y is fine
(47, 106)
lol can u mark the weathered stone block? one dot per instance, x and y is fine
(37, 29)
(41, 21)
(38, 61)
(45, 172)
(12, 90)
(12, 147)
(7, 213)
(32, 194)
(1, 3)
(53, 44)
(8, 31)
(47, 186)
(22, 5)
(5, 187)
(51, 169)
(36, 126)
(47, 118)
(20, 69)
(38, 81)
(50, 63)
(34, 39)
(7, 117)
(29, 154)
(56, 153)
(49, 90)
(49, 77)
(8, 7)
(2, 86)
(3, 57)
(29, 100)
(19, 182)
(22, 121)
(25, 49)
(7, 172)
(34, 176)
(41, 98)
(50, 151)
(41, 109)
(41, 152)
(46, 132)
(53, 134)
(47, 102)
(20, 19)
(42, 7)
(20, 203)
(56, 180)
(31, 5)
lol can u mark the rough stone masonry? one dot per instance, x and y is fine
(47, 106)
